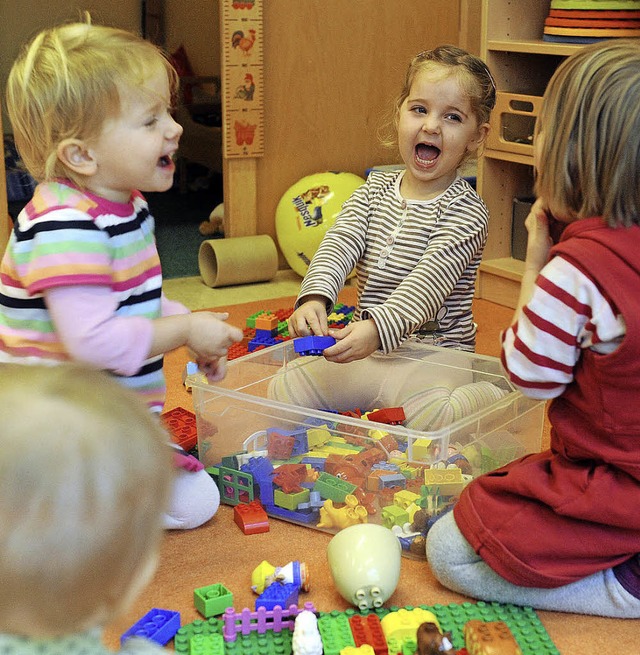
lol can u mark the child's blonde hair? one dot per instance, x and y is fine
(588, 135)
(65, 84)
(85, 476)
(472, 73)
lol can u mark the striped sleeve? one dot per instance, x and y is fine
(340, 250)
(567, 313)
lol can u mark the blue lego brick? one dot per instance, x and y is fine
(291, 515)
(329, 486)
(283, 595)
(156, 625)
(312, 346)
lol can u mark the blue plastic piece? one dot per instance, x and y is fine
(156, 625)
(313, 345)
(283, 595)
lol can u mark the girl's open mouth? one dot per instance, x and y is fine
(426, 154)
(165, 161)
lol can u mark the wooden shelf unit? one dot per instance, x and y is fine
(521, 62)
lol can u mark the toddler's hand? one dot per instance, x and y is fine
(309, 319)
(355, 341)
(210, 337)
(214, 370)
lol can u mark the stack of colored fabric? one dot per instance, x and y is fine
(585, 21)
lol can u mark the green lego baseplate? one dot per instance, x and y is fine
(204, 637)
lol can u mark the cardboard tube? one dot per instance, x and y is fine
(238, 260)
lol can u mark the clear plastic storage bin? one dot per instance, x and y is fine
(287, 430)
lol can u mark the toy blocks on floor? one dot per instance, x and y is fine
(269, 632)
(251, 517)
(212, 600)
(156, 625)
(181, 424)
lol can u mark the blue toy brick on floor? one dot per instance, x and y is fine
(157, 625)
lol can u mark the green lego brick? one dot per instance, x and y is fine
(332, 487)
(206, 645)
(182, 640)
(335, 631)
(336, 634)
(290, 501)
(268, 643)
(212, 600)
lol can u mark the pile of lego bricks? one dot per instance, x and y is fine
(266, 328)
(586, 21)
(350, 631)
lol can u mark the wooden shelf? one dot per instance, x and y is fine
(532, 46)
(499, 280)
(521, 63)
(504, 155)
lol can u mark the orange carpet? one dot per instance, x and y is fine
(219, 552)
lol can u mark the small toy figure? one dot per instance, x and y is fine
(306, 636)
(430, 641)
(266, 574)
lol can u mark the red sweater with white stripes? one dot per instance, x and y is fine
(552, 518)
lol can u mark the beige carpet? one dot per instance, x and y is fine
(219, 552)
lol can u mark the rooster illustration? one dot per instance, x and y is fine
(245, 43)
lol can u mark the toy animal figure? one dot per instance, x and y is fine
(351, 514)
(306, 638)
(430, 641)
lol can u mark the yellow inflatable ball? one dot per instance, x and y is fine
(307, 210)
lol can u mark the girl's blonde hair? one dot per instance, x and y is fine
(588, 135)
(85, 477)
(65, 84)
(472, 73)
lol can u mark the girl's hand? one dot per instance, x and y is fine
(539, 240)
(309, 319)
(355, 341)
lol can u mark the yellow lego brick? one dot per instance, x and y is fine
(404, 498)
(403, 624)
(317, 436)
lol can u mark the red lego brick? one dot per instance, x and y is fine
(368, 630)
(289, 477)
(181, 424)
(280, 446)
(251, 517)
(389, 415)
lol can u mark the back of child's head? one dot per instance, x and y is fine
(471, 72)
(66, 83)
(85, 476)
(587, 136)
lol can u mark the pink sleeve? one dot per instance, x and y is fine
(91, 332)
(173, 307)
